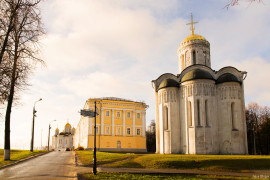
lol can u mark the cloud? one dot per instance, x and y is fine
(256, 86)
(103, 48)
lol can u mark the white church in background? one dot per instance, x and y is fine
(200, 110)
(64, 139)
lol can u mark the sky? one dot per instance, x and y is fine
(115, 48)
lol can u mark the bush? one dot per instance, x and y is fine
(80, 148)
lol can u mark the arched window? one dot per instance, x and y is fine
(233, 115)
(189, 113)
(198, 112)
(183, 61)
(194, 57)
(166, 118)
(206, 113)
(204, 54)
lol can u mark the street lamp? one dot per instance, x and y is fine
(49, 135)
(33, 125)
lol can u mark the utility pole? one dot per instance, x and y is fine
(49, 137)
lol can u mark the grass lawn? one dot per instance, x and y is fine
(205, 162)
(86, 157)
(158, 161)
(16, 155)
(120, 176)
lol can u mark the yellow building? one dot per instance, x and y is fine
(120, 125)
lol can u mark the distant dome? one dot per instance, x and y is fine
(193, 37)
(168, 83)
(68, 125)
(227, 77)
(196, 74)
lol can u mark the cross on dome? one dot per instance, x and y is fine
(192, 28)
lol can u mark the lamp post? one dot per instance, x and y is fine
(90, 113)
(49, 135)
(33, 126)
(95, 136)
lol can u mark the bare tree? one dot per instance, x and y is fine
(258, 124)
(236, 2)
(22, 51)
(151, 137)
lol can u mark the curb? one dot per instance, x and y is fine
(78, 162)
(23, 160)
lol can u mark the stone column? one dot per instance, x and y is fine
(112, 122)
(124, 122)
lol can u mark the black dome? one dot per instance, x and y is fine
(168, 83)
(227, 77)
(196, 74)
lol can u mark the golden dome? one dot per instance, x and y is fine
(73, 128)
(68, 125)
(57, 129)
(193, 37)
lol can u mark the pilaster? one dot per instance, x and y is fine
(134, 115)
(112, 122)
(101, 121)
(124, 123)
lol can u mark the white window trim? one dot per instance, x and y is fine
(107, 130)
(107, 111)
(128, 114)
(118, 130)
(139, 131)
(118, 112)
(138, 115)
(129, 131)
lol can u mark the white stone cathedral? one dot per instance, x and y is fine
(200, 110)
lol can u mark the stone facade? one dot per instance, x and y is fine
(199, 110)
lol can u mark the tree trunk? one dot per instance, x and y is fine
(8, 111)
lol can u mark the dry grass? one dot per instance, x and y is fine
(16, 155)
(202, 162)
(122, 176)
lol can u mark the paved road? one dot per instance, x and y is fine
(54, 165)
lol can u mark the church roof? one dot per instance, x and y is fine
(168, 83)
(196, 74)
(68, 125)
(227, 77)
(193, 37)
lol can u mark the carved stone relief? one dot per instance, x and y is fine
(229, 92)
(200, 89)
